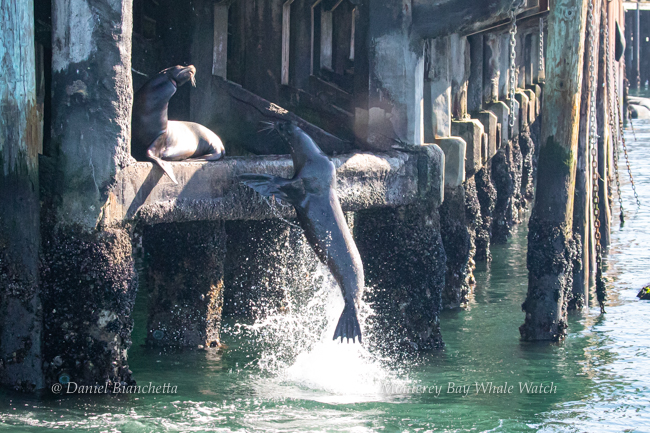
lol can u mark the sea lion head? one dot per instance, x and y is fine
(302, 146)
(287, 129)
(180, 75)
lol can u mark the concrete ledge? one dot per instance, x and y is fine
(454, 149)
(491, 127)
(210, 190)
(502, 111)
(470, 130)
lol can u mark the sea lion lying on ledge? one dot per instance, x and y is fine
(156, 138)
(312, 192)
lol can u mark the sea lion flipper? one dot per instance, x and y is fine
(348, 326)
(167, 168)
(289, 190)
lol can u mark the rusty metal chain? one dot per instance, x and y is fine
(593, 141)
(627, 159)
(541, 45)
(513, 65)
(622, 138)
(611, 115)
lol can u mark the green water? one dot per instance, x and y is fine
(284, 375)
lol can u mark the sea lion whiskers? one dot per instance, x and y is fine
(270, 126)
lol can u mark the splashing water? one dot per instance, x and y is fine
(295, 353)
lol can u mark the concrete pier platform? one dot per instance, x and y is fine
(210, 190)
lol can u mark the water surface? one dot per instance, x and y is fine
(283, 374)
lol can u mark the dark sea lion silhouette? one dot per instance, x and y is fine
(312, 192)
(156, 138)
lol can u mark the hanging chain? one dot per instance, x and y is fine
(541, 46)
(627, 159)
(593, 140)
(513, 65)
(612, 118)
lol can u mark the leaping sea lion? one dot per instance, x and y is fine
(312, 192)
(156, 138)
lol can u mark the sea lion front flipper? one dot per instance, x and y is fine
(348, 326)
(290, 190)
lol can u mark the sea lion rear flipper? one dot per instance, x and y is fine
(289, 190)
(348, 325)
(167, 168)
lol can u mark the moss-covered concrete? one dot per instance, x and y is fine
(89, 286)
(404, 263)
(506, 176)
(527, 146)
(266, 260)
(552, 252)
(459, 217)
(487, 197)
(184, 281)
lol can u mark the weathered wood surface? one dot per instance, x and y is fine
(602, 121)
(20, 142)
(582, 210)
(211, 191)
(551, 249)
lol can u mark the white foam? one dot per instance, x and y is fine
(299, 359)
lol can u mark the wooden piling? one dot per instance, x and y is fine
(583, 211)
(551, 247)
(602, 119)
(20, 142)
(637, 46)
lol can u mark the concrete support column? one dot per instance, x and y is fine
(459, 74)
(437, 90)
(506, 176)
(394, 243)
(491, 68)
(502, 112)
(20, 143)
(396, 79)
(185, 281)
(266, 262)
(487, 197)
(470, 130)
(88, 275)
(492, 128)
(475, 83)
(459, 217)
(89, 288)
